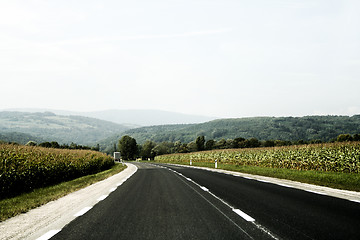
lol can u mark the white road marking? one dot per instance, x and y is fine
(261, 180)
(82, 211)
(48, 235)
(112, 189)
(243, 215)
(244, 177)
(284, 185)
(311, 191)
(102, 197)
(237, 211)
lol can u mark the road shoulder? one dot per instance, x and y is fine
(344, 194)
(55, 215)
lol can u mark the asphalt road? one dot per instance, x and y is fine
(170, 202)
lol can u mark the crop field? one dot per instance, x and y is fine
(23, 168)
(330, 157)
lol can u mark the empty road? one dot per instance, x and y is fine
(171, 202)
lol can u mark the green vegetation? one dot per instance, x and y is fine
(13, 206)
(24, 168)
(128, 148)
(47, 126)
(331, 164)
(310, 128)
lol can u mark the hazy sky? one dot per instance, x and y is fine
(224, 58)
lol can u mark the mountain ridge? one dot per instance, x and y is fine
(306, 128)
(51, 127)
(130, 117)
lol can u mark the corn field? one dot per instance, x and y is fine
(23, 168)
(330, 157)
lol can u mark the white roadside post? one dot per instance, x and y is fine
(215, 163)
(190, 162)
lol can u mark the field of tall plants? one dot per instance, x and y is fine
(329, 157)
(23, 168)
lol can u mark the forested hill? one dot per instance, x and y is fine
(308, 128)
(20, 127)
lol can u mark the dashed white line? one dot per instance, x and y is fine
(237, 211)
(82, 211)
(243, 215)
(48, 235)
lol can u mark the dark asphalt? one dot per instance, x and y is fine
(156, 203)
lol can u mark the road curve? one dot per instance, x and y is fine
(174, 202)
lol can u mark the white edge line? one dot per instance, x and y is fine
(243, 215)
(49, 234)
(112, 189)
(284, 185)
(102, 197)
(189, 179)
(82, 211)
(204, 188)
(311, 191)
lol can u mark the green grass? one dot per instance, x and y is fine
(346, 181)
(11, 207)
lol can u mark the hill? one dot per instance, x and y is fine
(322, 128)
(48, 126)
(132, 117)
(17, 137)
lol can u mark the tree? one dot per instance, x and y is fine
(238, 141)
(269, 143)
(55, 144)
(45, 144)
(200, 143)
(147, 150)
(191, 147)
(356, 137)
(221, 144)
(209, 145)
(128, 147)
(344, 138)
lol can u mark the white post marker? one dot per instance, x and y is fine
(190, 162)
(215, 163)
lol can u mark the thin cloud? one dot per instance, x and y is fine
(141, 37)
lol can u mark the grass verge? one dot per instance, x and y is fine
(346, 181)
(11, 207)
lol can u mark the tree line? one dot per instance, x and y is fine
(130, 149)
(55, 144)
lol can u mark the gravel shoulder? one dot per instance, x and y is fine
(56, 214)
